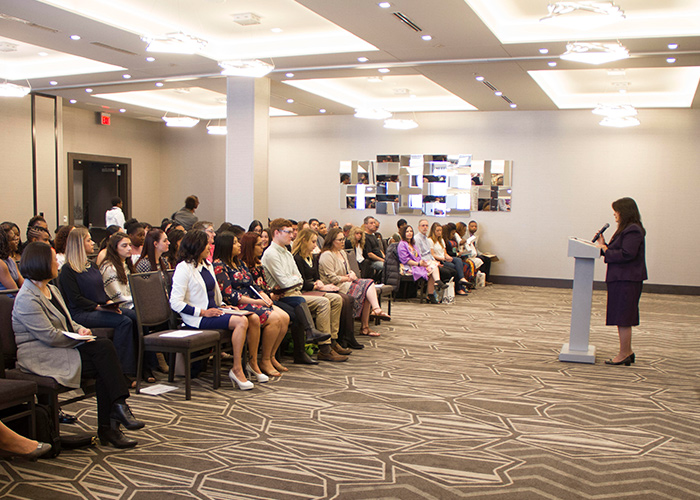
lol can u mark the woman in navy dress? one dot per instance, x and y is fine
(627, 269)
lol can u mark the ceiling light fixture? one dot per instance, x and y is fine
(75, 37)
(557, 9)
(216, 129)
(254, 68)
(322, 110)
(180, 121)
(53, 82)
(624, 122)
(427, 38)
(672, 46)
(88, 91)
(372, 114)
(615, 111)
(126, 77)
(159, 84)
(150, 59)
(671, 60)
(513, 105)
(552, 64)
(289, 75)
(122, 110)
(290, 101)
(544, 51)
(594, 53)
(397, 124)
(479, 78)
(498, 93)
(384, 5)
(384, 70)
(72, 101)
(174, 43)
(362, 59)
(11, 90)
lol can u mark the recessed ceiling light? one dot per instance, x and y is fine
(75, 37)
(289, 75)
(384, 5)
(671, 60)
(362, 59)
(544, 51)
(72, 101)
(150, 59)
(383, 70)
(88, 90)
(673, 46)
(290, 101)
(122, 110)
(276, 30)
(498, 93)
(43, 54)
(479, 78)
(53, 82)
(126, 76)
(427, 38)
(552, 64)
(321, 110)
(513, 105)
(159, 84)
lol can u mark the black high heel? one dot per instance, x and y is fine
(632, 357)
(627, 361)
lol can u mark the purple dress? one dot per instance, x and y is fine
(407, 253)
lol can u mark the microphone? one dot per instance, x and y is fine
(600, 233)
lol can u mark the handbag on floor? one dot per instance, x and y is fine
(448, 297)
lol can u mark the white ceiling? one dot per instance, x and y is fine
(320, 42)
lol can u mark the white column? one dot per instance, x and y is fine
(247, 124)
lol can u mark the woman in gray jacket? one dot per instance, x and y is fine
(49, 343)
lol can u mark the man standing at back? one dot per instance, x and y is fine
(185, 216)
(114, 216)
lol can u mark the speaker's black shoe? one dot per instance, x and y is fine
(115, 437)
(122, 414)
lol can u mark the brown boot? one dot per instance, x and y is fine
(325, 353)
(335, 346)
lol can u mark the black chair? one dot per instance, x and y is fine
(383, 291)
(48, 389)
(155, 320)
(403, 285)
(18, 395)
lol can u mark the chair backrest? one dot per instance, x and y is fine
(7, 334)
(391, 275)
(169, 280)
(150, 299)
(354, 266)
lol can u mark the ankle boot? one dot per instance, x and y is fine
(299, 338)
(326, 353)
(347, 338)
(335, 346)
(110, 434)
(304, 316)
(122, 413)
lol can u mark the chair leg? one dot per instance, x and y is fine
(188, 375)
(32, 418)
(217, 365)
(171, 367)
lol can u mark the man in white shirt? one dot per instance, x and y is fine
(284, 279)
(114, 216)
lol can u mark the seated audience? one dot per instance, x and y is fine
(38, 233)
(196, 297)
(334, 268)
(265, 238)
(356, 241)
(10, 276)
(13, 234)
(481, 261)
(342, 328)
(225, 227)
(239, 290)
(103, 244)
(208, 228)
(115, 270)
(59, 243)
(37, 221)
(136, 233)
(438, 250)
(39, 318)
(255, 227)
(174, 237)
(399, 224)
(413, 265)
(155, 247)
(373, 250)
(185, 216)
(423, 247)
(14, 445)
(82, 287)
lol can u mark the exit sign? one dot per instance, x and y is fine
(105, 119)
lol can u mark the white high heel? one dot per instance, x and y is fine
(260, 377)
(244, 386)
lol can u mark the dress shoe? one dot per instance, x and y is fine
(115, 437)
(355, 345)
(331, 356)
(244, 386)
(260, 377)
(340, 349)
(632, 357)
(313, 336)
(627, 361)
(304, 359)
(122, 414)
(40, 450)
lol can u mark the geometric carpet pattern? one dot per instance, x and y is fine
(452, 401)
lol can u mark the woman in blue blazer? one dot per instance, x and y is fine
(627, 269)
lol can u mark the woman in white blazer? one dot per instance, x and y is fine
(40, 318)
(196, 297)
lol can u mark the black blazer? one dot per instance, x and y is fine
(308, 273)
(625, 256)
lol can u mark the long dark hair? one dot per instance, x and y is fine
(253, 225)
(223, 247)
(402, 233)
(192, 246)
(4, 245)
(149, 250)
(112, 257)
(629, 214)
(330, 238)
(248, 242)
(175, 236)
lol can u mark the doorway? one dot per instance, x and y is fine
(93, 181)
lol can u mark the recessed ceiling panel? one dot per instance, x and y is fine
(518, 21)
(641, 87)
(393, 93)
(23, 61)
(285, 28)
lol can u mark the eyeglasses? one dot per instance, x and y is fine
(287, 231)
(342, 238)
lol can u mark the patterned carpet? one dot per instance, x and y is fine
(466, 400)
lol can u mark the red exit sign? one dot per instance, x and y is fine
(105, 119)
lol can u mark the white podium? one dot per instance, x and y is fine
(578, 350)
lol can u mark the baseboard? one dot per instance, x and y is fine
(597, 285)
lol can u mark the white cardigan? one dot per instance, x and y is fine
(189, 289)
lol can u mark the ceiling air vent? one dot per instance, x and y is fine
(407, 21)
(246, 19)
(27, 23)
(116, 49)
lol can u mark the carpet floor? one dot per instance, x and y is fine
(452, 401)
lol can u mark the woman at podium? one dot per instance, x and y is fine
(626, 271)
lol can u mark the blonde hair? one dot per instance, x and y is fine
(76, 256)
(300, 243)
(351, 236)
(433, 234)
